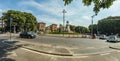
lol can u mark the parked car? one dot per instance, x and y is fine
(113, 38)
(30, 34)
(102, 37)
(0, 32)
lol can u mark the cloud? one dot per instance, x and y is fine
(30, 11)
(49, 7)
(80, 22)
(115, 8)
(77, 13)
(52, 7)
(86, 17)
(112, 11)
(1, 10)
(49, 20)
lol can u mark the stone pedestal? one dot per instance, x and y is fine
(68, 27)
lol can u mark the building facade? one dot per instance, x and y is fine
(53, 27)
(41, 26)
(48, 29)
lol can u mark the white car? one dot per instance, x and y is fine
(103, 37)
(113, 38)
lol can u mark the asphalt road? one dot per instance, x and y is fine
(22, 54)
(28, 55)
(81, 43)
(84, 50)
(69, 42)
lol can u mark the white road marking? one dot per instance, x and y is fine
(118, 51)
(12, 53)
(90, 48)
(53, 59)
(95, 53)
(114, 59)
(104, 54)
(94, 47)
(65, 47)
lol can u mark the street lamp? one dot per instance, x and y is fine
(1, 23)
(14, 28)
(10, 19)
(92, 24)
(63, 20)
(97, 29)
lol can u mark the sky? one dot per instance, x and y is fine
(50, 11)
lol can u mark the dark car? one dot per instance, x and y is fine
(30, 34)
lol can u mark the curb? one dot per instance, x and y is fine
(58, 54)
(53, 53)
(65, 36)
(40, 51)
(114, 48)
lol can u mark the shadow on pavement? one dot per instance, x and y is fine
(5, 47)
(112, 41)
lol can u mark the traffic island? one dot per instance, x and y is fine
(115, 47)
(54, 52)
(44, 48)
(60, 50)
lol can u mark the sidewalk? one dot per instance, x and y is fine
(45, 48)
(67, 35)
(60, 50)
(115, 46)
(8, 34)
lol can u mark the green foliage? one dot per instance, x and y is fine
(62, 33)
(81, 29)
(22, 20)
(75, 29)
(94, 27)
(72, 27)
(109, 25)
(98, 4)
(67, 1)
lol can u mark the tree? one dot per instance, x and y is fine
(20, 20)
(81, 29)
(98, 4)
(72, 27)
(109, 25)
(94, 27)
(30, 23)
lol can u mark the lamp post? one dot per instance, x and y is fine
(14, 29)
(92, 25)
(10, 19)
(97, 29)
(1, 23)
(63, 20)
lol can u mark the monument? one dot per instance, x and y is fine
(68, 27)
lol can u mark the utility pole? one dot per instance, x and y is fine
(14, 29)
(2, 23)
(92, 25)
(97, 29)
(10, 19)
(63, 20)
(1, 19)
